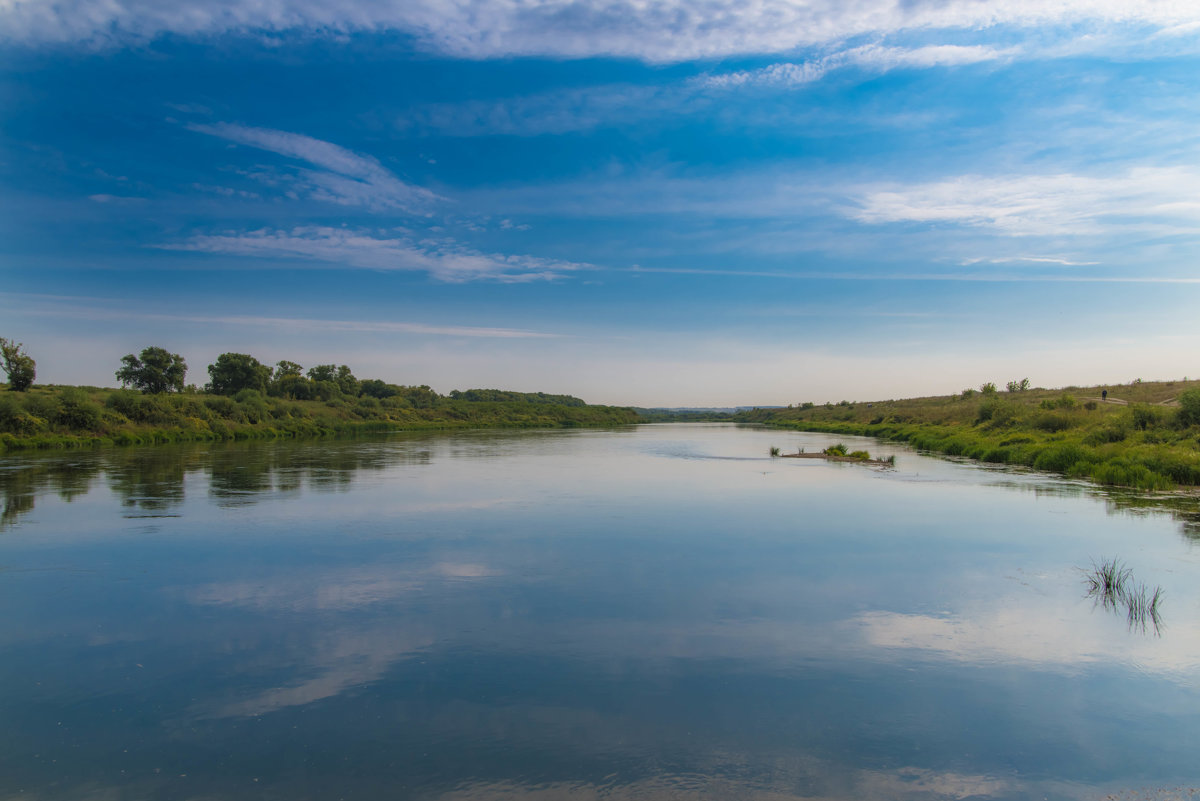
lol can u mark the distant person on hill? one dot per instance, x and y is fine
(1104, 395)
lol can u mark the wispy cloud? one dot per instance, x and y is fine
(586, 108)
(86, 308)
(1156, 199)
(875, 57)
(443, 259)
(657, 30)
(1035, 260)
(343, 176)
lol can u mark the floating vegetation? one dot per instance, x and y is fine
(1110, 584)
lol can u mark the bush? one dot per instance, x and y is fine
(1143, 416)
(1062, 457)
(15, 420)
(223, 406)
(1053, 421)
(995, 411)
(77, 411)
(1189, 408)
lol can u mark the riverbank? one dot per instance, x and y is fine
(1144, 435)
(87, 417)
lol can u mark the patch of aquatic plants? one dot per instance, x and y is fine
(1110, 584)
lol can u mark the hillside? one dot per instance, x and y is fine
(1144, 434)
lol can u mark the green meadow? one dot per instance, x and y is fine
(1144, 435)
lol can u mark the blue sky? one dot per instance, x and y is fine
(653, 203)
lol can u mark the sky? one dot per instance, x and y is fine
(650, 202)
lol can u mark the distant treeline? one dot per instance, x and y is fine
(247, 399)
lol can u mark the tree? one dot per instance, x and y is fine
(1017, 386)
(323, 372)
(1189, 407)
(157, 370)
(19, 367)
(286, 369)
(346, 383)
(234, 372)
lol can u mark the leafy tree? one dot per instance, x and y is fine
(157, 370)
(1189, 407)
(340, 375)
(1017, 386)
(323, 372)
(376, 388)
(234, 372)
(346, 381)
(286, 369)
(19, 367)
(988, 388)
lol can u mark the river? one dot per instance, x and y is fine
(655, 612)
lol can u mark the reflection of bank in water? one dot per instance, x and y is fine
(1111, 585)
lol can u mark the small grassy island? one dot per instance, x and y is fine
(1144, 435)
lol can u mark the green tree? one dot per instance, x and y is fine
(346, 381)
(234, 372)
(340, 375)
(19, 367)
(323, 372)
(1189, 407)
(156, 370)
(286, 369)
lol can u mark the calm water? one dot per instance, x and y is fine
(652, 613)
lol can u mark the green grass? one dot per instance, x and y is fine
(1146, 436)
(79, 417)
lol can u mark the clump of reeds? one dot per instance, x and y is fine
(774, 451)
(835, 450)
(1111, 585)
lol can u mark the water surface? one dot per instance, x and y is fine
(659, 612)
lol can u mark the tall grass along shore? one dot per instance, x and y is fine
(1144, 434)
(66, 416)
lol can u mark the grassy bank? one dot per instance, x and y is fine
(68, 417)
(1144, 435)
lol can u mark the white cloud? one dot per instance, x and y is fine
(443, 259)
(85, 308)
(585, 108)
(115, 199)
(344, 177)
(875, 57)
(653, 30)
(1155, 199)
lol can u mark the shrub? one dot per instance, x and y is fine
(1053, 421)
(77, 410)
(1062, 457)
(995, 411)
(223, 406)
(15, 420)
(1189, 408)
(1143, 416)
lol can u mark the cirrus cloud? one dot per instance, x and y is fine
(655, 30)
(443, 259)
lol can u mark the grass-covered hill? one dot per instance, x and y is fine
(1145, 434)
(65, 416)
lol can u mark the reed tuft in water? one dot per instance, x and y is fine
(1111, 585)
